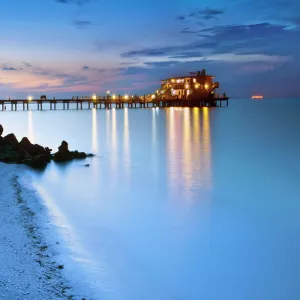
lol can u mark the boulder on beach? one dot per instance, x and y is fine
(64, 154)
(37, 162)
(9, 155)
(32, 149)
(64, 147)
(34, 155)
(11, 140)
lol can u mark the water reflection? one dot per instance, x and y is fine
(187, 163)
(94, 131)
(114, 142)
(206, 149)
(154, 134)
(126, 158)
(188, 151)
(30, 127)
(173, 167)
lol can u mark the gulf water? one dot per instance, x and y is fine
(178, 203)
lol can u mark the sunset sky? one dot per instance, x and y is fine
(81, 47)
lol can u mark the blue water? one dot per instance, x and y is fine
(179, 203)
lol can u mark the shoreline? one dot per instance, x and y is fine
(30, 266)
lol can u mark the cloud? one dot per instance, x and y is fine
(187, 55)
(78, 2)
(27, 64)
(205, 14)
(180, 18)
(162, 64)
(82, 23)
(9, 69)
(170, 50)
(209, 13)
(189, 30)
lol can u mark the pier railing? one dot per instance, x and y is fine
(107, 103)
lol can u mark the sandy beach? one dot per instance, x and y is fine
(29, 269)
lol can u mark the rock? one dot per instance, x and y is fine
(2, 141)
(79, 155)
(64, 147)
(24, 154)
(35, 156)
(9, 155)
(33, 150)
(37, 162)
(11, 140)
(64, 154)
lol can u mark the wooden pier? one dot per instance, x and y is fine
(108, 103)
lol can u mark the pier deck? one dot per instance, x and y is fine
(105, 103)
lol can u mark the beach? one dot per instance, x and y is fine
(29, 269)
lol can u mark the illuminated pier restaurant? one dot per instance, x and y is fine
(198, 89)
(195, 90)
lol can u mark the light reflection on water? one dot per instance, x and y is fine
(30, 127)
(179, 203)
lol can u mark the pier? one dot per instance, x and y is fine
(108, 103)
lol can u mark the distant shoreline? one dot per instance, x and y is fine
(30, 270)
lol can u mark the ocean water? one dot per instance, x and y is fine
(179, 203)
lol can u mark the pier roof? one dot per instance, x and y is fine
(190, 76)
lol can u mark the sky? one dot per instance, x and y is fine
(68, 48)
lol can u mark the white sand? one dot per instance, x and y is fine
(28, 269)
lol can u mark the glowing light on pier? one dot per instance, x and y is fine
(187, 86)
(257, 97)
(29, 98)
(206, 86)
(94, 97)
(197, 86)
(153, 96)
(107, 92)
(114, 97)
(126, 97)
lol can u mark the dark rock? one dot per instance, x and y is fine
(24, 154)
(1, 129)
(64, 154)
(9, 155)
(64, 147)
(79, 155)
(35, 156)
(87, 165)
(37, 162)
(33, 150)
(11, 140)
(61, 157)
(2, 141)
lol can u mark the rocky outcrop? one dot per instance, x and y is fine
(11, 140)
(32, 149)
(64, 154)
(34, 155)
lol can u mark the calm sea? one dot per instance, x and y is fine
(179, 203)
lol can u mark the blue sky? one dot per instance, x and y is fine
(81, 47)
